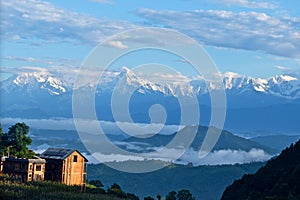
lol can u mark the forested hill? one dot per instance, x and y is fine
(278, 179)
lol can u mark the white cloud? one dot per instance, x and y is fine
(49, 61)
(42, 20)
(220, 157)
(168, 156)
(282, 67)
(117, 44)
(294, 72)
(43, 124)
(27, 59)
(226, 156)
(97, 157)
(68, 124)
(248, 4)
(244, 30)
(164, 77)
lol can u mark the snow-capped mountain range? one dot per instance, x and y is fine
(252, 103)
(58, 83)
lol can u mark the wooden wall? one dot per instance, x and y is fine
(73, 170)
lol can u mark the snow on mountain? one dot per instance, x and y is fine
(33, 81)
(57, 83)
(269, 104)
(129, 79)
(284, 85)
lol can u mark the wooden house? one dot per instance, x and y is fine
(24, 169)
(67, 166)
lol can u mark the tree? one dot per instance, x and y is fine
(15, 141)
(185, 195)
(116, 190)
(171, 195)
(96, 183)
(2, 146)
(115, 186)
(132, 196)
(158, 197)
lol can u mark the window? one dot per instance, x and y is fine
(29, 177)
(38, 168)
(30, 166)
(75, 159)
(85, 166)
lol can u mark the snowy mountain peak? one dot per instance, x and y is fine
(284, 85)
(129, 75)
(28, 78)
(35, 80)
(129, 79)
(287, 78)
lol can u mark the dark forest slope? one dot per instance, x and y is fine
(278, 179)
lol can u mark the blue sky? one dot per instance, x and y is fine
(254, 38)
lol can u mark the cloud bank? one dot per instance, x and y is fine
(35, 19)
(226, 156)
(143, 150)
(68, 124)
(256, 31)
(253, 31)
(220, 157)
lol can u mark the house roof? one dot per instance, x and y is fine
(26, 160)
(59, 153)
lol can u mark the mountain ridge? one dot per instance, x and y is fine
(284, 85)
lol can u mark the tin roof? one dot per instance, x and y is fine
(59, 153)
(26, 160)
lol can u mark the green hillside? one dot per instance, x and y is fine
(278, 179)
(204, 182)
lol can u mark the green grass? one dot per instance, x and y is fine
(10, 189)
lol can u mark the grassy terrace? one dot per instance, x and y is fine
(10, 189)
